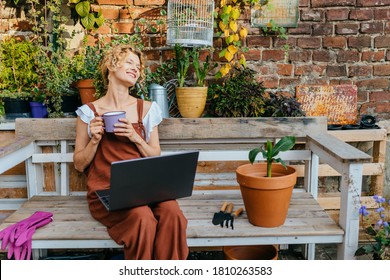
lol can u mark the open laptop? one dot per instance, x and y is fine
(149, 180)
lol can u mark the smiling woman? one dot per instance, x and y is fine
(146, 231)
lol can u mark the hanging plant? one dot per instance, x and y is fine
(82, 11)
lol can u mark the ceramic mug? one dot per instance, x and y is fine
(111, 118)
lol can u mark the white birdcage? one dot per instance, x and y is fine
(190, 22)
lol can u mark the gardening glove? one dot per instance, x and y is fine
(18, 237)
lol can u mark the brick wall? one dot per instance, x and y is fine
(335, 42)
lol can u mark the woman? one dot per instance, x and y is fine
(155, 231)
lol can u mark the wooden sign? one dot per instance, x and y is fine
(282, 12)
(338, 103)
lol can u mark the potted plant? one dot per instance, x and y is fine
(191, 98)
(18, 75)
(378, 232)
(38, 104)
(266, 188)
(86, 68)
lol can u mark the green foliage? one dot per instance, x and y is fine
(201, 69)
(86, 62)
(81, 11)
(271, 152)
(18, 68)
(238, 96)
(182, 63)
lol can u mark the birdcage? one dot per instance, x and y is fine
(190, 22)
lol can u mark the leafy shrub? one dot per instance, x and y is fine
(282, 106)
(238, 96)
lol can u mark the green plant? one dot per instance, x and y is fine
(271, 152)
(82, 11)
(18, 68)
(86, 62)
(201, 69)
(379, 232)
(182, 58)
(239, 95)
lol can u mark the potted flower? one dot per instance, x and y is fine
(191, 98)
(266, 188)
(38, 104)
(86, 68)
(378, 234)
(18, 75)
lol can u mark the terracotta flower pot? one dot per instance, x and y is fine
(250, 252)
(266, 199)
(86, 90)
(191, 101)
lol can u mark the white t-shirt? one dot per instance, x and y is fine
(152, 118)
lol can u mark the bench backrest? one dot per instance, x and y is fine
(224, 144)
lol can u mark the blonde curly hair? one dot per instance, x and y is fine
(115, 57)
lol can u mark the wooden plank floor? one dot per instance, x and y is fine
(72, 220)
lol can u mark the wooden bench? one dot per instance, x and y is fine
(53, 185)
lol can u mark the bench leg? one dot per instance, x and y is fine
(39, 253)
(351, 186)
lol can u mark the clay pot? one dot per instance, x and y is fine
(87, 90)
(250, 252)
(266, 199)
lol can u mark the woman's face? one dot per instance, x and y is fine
(129, 72)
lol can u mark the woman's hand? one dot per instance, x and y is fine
(96, 128)
(126, 129)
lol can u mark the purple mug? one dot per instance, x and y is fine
(111, 118)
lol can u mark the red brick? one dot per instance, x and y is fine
(322, 29)
(371, 27)
(280, 43)
(302, 28)
(149, 2)
(303, 3)
(299, 56)
(375, 83)
(338, 42)
(152, 55)
(317, 81)
(334, 82)
(167, 54)
(283, 83)
(273, 55)
(158, 41)
(104, 29)
(337, 14)
(253, 55)
(123, 27)
(382, 14)
(347, 28)
(311, 15)
(22, 25)
(380, 96)
(373, 56)
(387, 27)
(336, 70)
(362, 95)
(305, 70)
(284, 69)
(258, 41)
(382, 42)
(309, 43)
(332, 3)
(134, 13)
(388, 55)
(359, 42)
(382, 107)
(269, 82)
(382, 70)
(359, 71)
(115, 2)
(110, 13)
(322, 56)
(347, 56)
(372, 3)
(361, 15)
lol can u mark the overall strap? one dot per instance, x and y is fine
(92, 107)
(140, 108)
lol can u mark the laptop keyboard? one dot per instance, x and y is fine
(106, 200)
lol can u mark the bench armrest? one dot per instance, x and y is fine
(16, 152)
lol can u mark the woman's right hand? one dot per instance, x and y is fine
(96, 128)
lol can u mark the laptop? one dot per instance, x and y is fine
(149, 180)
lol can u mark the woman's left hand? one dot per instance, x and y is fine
(126, 129)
